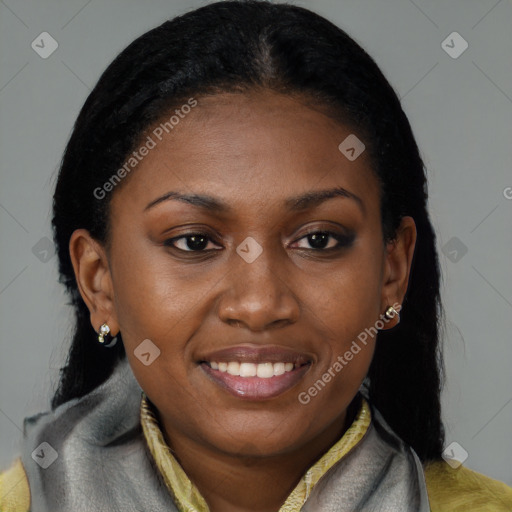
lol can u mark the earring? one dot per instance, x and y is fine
(104, 337)
(104, 331)
(391, 312)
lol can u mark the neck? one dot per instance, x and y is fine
(236, 483)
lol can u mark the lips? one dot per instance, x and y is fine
(254, 387)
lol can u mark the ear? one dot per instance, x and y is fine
(397, 267)
(94, 280)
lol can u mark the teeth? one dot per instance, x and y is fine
(234, 368)
(279, 368)
(262, 370)
(247, 370)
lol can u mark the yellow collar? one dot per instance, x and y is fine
(187, 496)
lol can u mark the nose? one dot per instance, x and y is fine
(259, 295)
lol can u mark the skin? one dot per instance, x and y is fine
(252, 151)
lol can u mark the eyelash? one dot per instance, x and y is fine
(343, 241)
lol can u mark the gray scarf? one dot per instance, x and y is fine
(102, 463)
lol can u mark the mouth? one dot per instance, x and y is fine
(259, 373)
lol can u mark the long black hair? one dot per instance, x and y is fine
(237, 46)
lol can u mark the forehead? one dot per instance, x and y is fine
(259, 146)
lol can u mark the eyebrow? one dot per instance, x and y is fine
(295, 204)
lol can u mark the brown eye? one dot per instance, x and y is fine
(326, 240)
(192, 242)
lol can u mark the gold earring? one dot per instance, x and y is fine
(104, 331)
(391, 312)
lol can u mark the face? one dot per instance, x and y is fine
(263, 270)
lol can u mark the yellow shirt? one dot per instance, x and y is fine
(449, 490)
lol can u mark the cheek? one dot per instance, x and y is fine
(152, 299)
(346, 296)
(156, 301)
(349, 345)
(345, 306)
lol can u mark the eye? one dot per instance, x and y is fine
(326, 240)
(191, 242)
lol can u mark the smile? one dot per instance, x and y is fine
(262, 370)
(252, 381)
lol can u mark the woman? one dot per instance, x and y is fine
(241, 223)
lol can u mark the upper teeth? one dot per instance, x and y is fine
(263, 370)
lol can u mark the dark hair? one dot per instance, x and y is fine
(237, 46)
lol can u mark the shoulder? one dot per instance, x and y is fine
(14, 489)
(461, 489)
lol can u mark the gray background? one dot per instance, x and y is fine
(460, 110)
